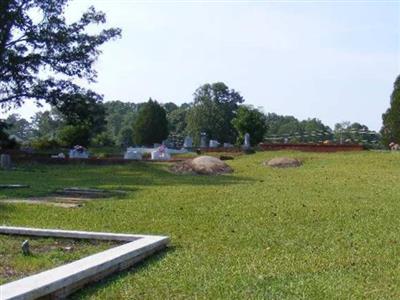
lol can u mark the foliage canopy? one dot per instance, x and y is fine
(40, 53)
(151, 125)
(391, 118)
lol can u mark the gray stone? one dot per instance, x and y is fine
(283, 162)
(203, 140)
(246, 141)
(188, 143)
(25, 247)
(5, 161)
(214, 144)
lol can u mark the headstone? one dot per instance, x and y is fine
(160, 154)
(203, 140)
(25, 248)
(214, 144)
(78, 152)
(246, 141)
(132, 153)
(394, 147)
(59, 155)
(228, 145)
(188, 143)
(5, 161)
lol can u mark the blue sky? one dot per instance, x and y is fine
(334, 60)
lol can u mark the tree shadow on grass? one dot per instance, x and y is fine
(110, 280)
(129, 177)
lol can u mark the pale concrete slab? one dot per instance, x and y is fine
(64, 280)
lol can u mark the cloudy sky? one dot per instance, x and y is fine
(334, 60)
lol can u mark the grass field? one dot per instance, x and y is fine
(329, 229)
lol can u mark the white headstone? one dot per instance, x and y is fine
(132, 153)
(160, 154)
(78, 152)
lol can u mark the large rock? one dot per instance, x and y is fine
(283, 162)
(205, 165)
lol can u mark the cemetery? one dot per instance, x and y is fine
(316, 226)
(283, 184)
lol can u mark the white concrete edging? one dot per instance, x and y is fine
(64, 280)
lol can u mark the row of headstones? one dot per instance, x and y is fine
(188, 143)
(160, 154)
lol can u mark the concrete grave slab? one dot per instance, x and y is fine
(60, 282)
(69, 197)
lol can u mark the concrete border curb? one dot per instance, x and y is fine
(64, 280)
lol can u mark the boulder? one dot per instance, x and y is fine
(204, 165)
(283, 162)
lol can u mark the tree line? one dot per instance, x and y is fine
(216, 110)
(42, 57)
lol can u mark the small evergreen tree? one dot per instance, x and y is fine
(151, 125)
(391, 118)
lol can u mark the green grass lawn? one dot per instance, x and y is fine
(329, 229)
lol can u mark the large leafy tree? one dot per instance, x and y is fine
(213, 110)
(250, 120)
(120, 118)
(45, 124)
(391, 118)
(83, 110)
(151, 125)
(177, 119)
(19, 127)
(5, 141)
(281, 128)
(41, 54)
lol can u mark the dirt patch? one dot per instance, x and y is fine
(283, 162)
(203, 165)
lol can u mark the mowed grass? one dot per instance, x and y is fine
(329, 229)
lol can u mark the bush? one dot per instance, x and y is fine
(71, 135)
(44, 144)
(102, 140)
(5, 141)
(249, 151)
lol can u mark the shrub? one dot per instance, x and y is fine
(102, 140)
(44, 144)
(71, 135)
